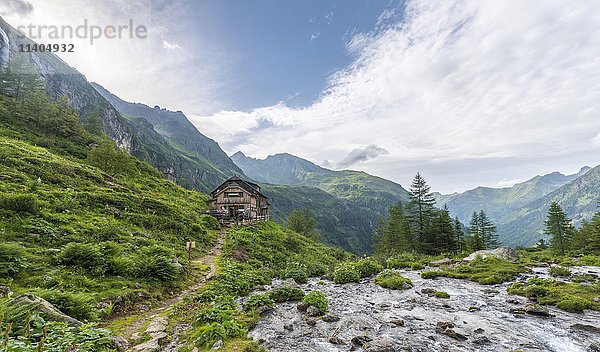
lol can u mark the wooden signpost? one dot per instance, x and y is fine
(189, 246)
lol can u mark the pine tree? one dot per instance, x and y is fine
(303, 223)
(475, 234)
(420, 209)
(445, 240)
(393, 236)
(559, 226)
(488, 231)
(587, 238)
(92, 122)
(459, 234)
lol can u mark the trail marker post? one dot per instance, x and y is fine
(189, 246)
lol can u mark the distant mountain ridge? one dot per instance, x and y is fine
(355, 199)
(512, 208)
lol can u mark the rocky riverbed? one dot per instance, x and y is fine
(366, 317)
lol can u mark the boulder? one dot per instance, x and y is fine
(119, 343)
(585, 327)
(446, 328)
(330, 318)
(313, 311)
(382, 344)
(217, 345)
(5, 291)
(532, 309)
(361, 341)
(44, 307)
(505, 253)
(441, 262)
(336, 340)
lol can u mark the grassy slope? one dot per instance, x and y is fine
(119, 222)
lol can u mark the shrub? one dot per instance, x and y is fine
(432, 274)
(535, 291)
(12, 259)
(393, 280)
(207, 335)
(316, 299)
(259, 300)
(209, 222)
(367, 267)
(284, 294)
(19, 203)
(296, 271)
(83, 255)
(76, 305)
(157, 268)
(574, 304)
(559, 271)
(345, 272)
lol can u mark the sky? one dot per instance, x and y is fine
(469, 93)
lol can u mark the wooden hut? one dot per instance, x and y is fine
(239, 200)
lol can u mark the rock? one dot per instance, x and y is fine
(474, 309)
(287, 283)
(361, 341)
(311, 321)
(427, 291)
(505, 253)
(43, 306)
(594, 347)
(441, 262)
(330, 318)
(262, 310)
(150, 346)
(382, 344)
(178, 265)
(481, 340)
(397, 322)
(445, 328)
(513, 301)
(479, 331)
(336, 340)
(288, 327)
(217, 345)
(537, 310)
(119, 343)
(313, 311)
(489, 291)
(5, 291)
(585, 327)
(158, 324)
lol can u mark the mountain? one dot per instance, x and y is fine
(178, 157)
(360, 188)
(176, 128)
(580, 199)
(346, 204)
(497, 202)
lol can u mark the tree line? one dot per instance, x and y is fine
(565, 238)
(419, 227)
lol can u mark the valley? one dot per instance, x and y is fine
(112, 238)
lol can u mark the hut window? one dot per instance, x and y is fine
(233, 194)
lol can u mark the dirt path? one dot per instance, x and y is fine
(154, 319)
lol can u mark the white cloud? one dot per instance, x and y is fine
(315, 36)
(455, 83)
(171, 46)
(508, 183)
(596, 140)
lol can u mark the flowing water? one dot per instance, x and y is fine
(406, 320)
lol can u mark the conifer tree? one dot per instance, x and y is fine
(303, 223)
(420, 209)
(459, 234)
(393, 236)
(587, 238)
(475, 234)
(559, 226)
(445, 240)
(488, 231)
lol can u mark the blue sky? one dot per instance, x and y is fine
(275, 50)
(467, 92)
